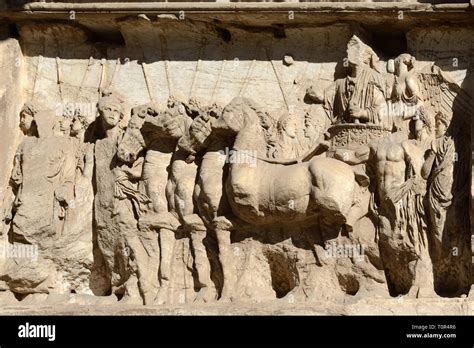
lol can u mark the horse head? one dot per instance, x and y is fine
(133, 142)
(238, 114)
(200, 130)
(242, 119)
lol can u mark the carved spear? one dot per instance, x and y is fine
(165, 58)
(250, 71)
(37, 73)
(221, 72)
(278, 79)
(196, 71)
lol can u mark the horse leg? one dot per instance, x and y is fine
(167, 240)
(166, 225)
(423, 282)
(333, 189)
(222, 228)
(359, 208)
(145, 262)
(198, 232)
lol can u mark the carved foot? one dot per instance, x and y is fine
(147, 297)
(423, 286)
(202, 263)
(162, 296)
(227, 264)
(131, 300)
(296, 295)
(131, 292)
(205, 295)
(226, 297)
(417, 291)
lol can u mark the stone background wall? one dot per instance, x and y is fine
(155, 57)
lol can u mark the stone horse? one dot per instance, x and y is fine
(169, 182)
(263, 191)
(209, 192)
(257, 190)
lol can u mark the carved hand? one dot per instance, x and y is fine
(201, 129)
(172, 128)
(167, 124)
(356, 112)
(340, 154)
(61, 195)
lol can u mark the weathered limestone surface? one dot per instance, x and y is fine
(68, 305)
(243, 158)
(11, 59)
(11, 89)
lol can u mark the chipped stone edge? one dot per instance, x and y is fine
(129, 7)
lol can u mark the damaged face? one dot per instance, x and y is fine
(110, 115)
(26, 121)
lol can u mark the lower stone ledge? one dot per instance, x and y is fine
(92, 305)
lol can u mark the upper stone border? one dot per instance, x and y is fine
(232, 6)
(254, 13)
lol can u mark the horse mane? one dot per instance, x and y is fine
(133, 130)
(238, 106)
(246, 107)
(267, 124)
